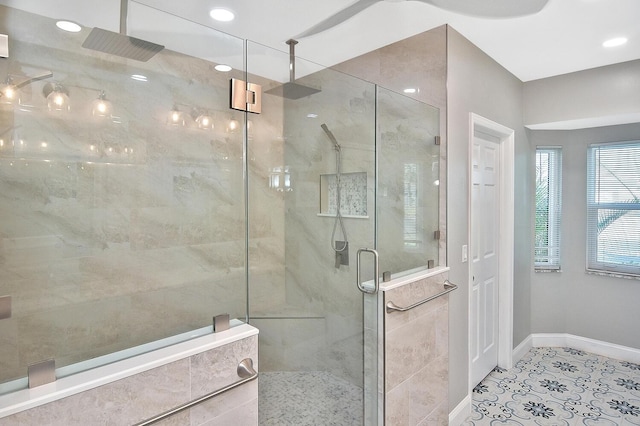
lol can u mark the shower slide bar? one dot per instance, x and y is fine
(448, 288)
(245, 372)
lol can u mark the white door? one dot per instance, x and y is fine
(484, 247)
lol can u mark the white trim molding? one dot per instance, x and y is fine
(461, 413)
(506, 137)
(521, 350)
(598, 347)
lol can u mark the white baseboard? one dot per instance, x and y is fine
(522, 349)
(461, 412)
(598, 347)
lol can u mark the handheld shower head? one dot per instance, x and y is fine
(332, 138)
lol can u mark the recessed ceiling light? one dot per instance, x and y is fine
(139, 77)
(410, 90)
(222, 68)
(222, 15)
(72, 27)
(312, 115)
(618, 41)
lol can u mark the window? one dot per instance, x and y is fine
(548, 207)
(613, 208)
(411, 235)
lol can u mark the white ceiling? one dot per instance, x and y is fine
(566, 36)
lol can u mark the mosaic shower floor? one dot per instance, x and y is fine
(559, 386)
(308, 398)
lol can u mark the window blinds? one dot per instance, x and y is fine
(613, 208)
(548, 207)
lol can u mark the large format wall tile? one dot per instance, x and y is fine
(141, 396)
(416, 362)
(121, 231)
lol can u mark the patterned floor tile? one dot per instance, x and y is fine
(559, 386)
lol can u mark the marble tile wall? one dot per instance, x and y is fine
(416, 360)
(142, 396)
(317, 325)
(419, 62)
(122, 231)
(314, 288)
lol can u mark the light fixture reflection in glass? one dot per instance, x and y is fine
(280, 179)
(233, 125)
(8, 92)
(204, 121)
(176, 117)
(410, 90)
(58, 99)
(101, 107)
(139, 77)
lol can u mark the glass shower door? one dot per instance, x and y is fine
(311, 189)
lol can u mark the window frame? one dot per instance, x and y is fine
(593, 207)
(552, 260)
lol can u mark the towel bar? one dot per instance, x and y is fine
(245, 372)
(448, 288)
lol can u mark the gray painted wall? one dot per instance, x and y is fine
(478, 84)
(572, 301)
(611, 93)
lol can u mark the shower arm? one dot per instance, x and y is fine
(124, 11)
(292, 59)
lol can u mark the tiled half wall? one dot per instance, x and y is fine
(417, 355)
(142, 396)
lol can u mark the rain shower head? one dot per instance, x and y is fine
(120, 44)
(291, 89)
(332, 138)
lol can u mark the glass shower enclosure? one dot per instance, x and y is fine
(302, 294)
(137, 204)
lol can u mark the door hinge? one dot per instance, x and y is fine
(437, 140)
(246, 96)
(436, 235)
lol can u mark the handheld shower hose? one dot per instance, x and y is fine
(338, 221)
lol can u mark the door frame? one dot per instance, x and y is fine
(506, 144)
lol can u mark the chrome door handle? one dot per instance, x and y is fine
(376, 268)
